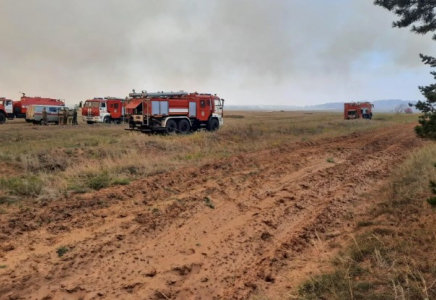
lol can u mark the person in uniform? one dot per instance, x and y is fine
(65, 115)
(60, 116)
(44, 116)
(75, 117)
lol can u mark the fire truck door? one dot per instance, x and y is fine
(192, 109)
(8, 106)
(116, 111)
(204, 110)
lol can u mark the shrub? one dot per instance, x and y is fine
(98, 181)
(209, 203)
(30, 186)
(432, 200)
(61, 251)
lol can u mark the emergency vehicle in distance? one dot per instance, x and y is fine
(20, 107)
(104, 110)
(6, 110)
(358, 110)
(175, 112)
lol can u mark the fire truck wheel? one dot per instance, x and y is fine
(184, 126)
(2, 118)
(213, 125)
(171, 127)
(106, 120)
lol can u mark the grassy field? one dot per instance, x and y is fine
(49, 162)
(393, 253)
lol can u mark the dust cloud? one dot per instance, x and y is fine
(248, 51)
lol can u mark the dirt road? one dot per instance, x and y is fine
(225, 230)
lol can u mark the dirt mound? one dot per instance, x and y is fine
(221, 231)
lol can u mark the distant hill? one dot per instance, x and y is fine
(379, 105)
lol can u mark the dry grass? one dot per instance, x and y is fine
(393, 255)
(48, 162)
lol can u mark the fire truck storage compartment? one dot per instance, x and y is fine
(159, 108)
(192, 109)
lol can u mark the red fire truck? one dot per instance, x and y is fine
(175, 112)
(6, 110)
(358, 110)
(20, 107)
(104, 110)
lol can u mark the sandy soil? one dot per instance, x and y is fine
(249, 224)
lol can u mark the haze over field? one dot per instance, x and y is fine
(248, 51)
(392, 105)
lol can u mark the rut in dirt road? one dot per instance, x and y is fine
(219, 231)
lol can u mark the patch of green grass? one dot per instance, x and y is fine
(98, 181)
(3, 266)
(235, 116)
(330, 160)
(192, 156)
(432, 201)
(30, 185)
(120, 181)
(7, 200)
(78, 189)
(61, 251)
(333, 284)
(364, 223)
(68, 152)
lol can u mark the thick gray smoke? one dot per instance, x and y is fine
(248, 51)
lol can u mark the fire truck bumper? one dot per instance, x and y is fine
(92, 119)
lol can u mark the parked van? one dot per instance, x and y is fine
(34, 113)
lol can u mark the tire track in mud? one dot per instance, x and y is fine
(157, 238)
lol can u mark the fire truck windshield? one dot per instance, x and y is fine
(217, 102)
(91, 104)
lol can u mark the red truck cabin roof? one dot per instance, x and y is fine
(102, 100)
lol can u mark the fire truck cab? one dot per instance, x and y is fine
(175, 112)
(104, 110)
(358, 110)
(6, 110)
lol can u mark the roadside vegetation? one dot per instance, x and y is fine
(49, 162)
(392, 254)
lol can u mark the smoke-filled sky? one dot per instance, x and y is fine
(284, 52)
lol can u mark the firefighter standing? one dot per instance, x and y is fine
(75, 117)
(65, 115)
(44, 116)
